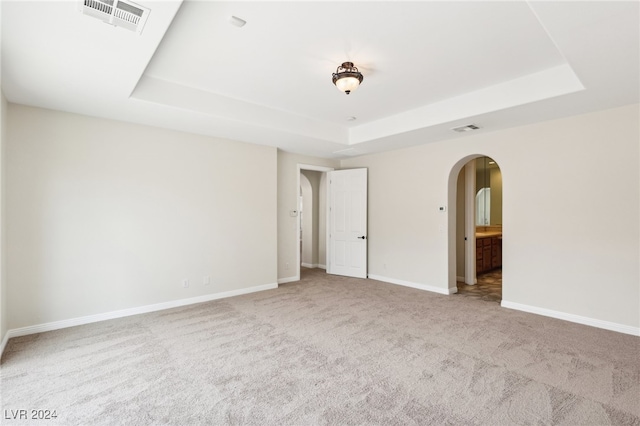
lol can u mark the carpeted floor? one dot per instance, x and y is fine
(327, 350)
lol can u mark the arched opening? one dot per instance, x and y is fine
(311, 232)
(306, 210)
(476, 228)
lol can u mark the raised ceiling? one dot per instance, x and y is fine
(428, 67)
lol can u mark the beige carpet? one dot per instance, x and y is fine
(327, 350)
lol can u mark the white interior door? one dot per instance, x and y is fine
(348, 223)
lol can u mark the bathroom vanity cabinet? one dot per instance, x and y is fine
(488, 252)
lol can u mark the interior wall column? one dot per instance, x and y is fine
(470, 223)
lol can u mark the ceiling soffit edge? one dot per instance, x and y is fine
(549, 83)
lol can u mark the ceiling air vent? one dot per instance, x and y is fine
(467, 128)
(119, 13)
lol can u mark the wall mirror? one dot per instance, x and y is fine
(488, 192)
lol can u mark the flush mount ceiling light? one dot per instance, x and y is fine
(347, 78)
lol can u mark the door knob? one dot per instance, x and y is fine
(363, 238)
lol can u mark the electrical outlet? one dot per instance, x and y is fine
(185, 283)
(206, 280)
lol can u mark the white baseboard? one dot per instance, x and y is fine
(460, 279)
(414, 285)
(607, 325)
(322, 266)
(72, 322)
(288, 280)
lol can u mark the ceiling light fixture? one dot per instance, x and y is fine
(347, 78)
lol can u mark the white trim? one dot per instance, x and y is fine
(470, 273)
(313, 265)
(72, 322)
(316, 168)
(607, 325)
(460, 279)
(288, 279)
(431, 288)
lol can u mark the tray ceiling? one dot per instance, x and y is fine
(428, 67)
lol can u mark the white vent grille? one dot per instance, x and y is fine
(467, 128)
(117, 12)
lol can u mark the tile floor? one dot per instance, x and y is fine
(489, 287)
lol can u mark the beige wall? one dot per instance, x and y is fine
(3, 138)
(105, 215)
(407, 237)
(571, 240)
(3, 282)
(287, 193)
(496, 196)
(322, 222)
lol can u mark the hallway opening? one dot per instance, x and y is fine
(311, 232)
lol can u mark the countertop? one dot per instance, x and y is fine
(488, 234)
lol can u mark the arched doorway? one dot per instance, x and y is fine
(306, 210)
(475, 228)
(317, 214)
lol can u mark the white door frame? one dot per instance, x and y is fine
(470, 223)
(297, 243)
(452, 223)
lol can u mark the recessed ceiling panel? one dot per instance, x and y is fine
(412, 54)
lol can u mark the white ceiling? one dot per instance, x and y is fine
(428, 66)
